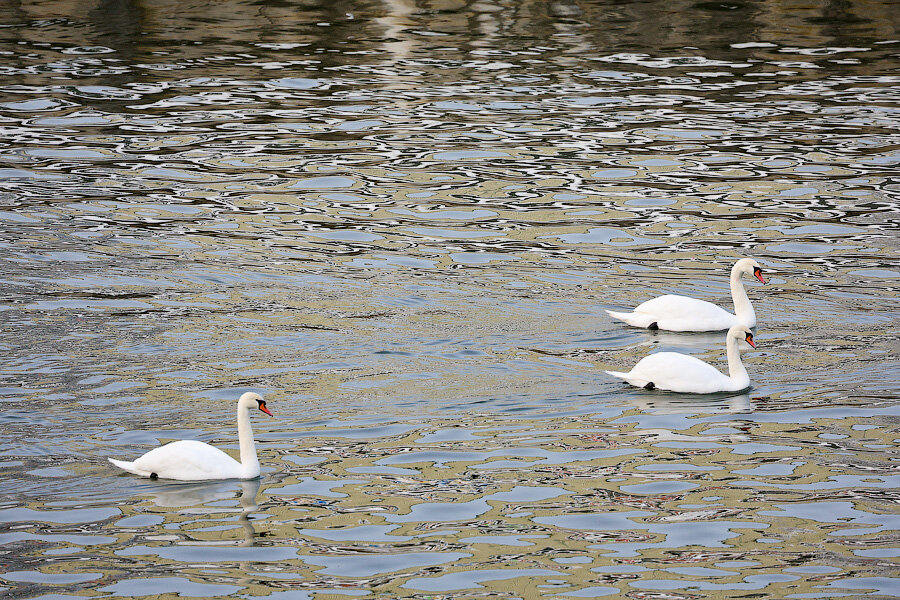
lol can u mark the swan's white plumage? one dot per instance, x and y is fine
(681, 313)
(185, 460)
(678, 313)
(677, 373)
(683, 373)
(189, 460)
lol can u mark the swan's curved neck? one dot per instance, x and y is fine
(249, 462)
(736, 371)
(742, 307)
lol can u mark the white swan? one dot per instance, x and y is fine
(683, 373)
(680, 313)
(189, 460)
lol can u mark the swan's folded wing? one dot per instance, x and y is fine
(672, 306)
(189, 460)
(679, 373)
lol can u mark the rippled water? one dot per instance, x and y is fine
(400, 221)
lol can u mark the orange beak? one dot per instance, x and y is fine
(749, 339)
(758, 273)
(263, 408)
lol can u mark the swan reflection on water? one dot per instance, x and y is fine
(671, 403)
(194, 496)
(171, 494)
(249, 491)
(701, 341)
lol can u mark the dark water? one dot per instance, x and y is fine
(400, 222)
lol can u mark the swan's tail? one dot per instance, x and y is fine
(618, 374)
(126, 466)
(635, 319)
(628, 377)
(619, 315)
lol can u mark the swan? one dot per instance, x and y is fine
(680, 313)
(677, 372)
(189, 460)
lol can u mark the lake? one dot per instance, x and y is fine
(401, 222)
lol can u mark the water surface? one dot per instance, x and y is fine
(400, 221)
